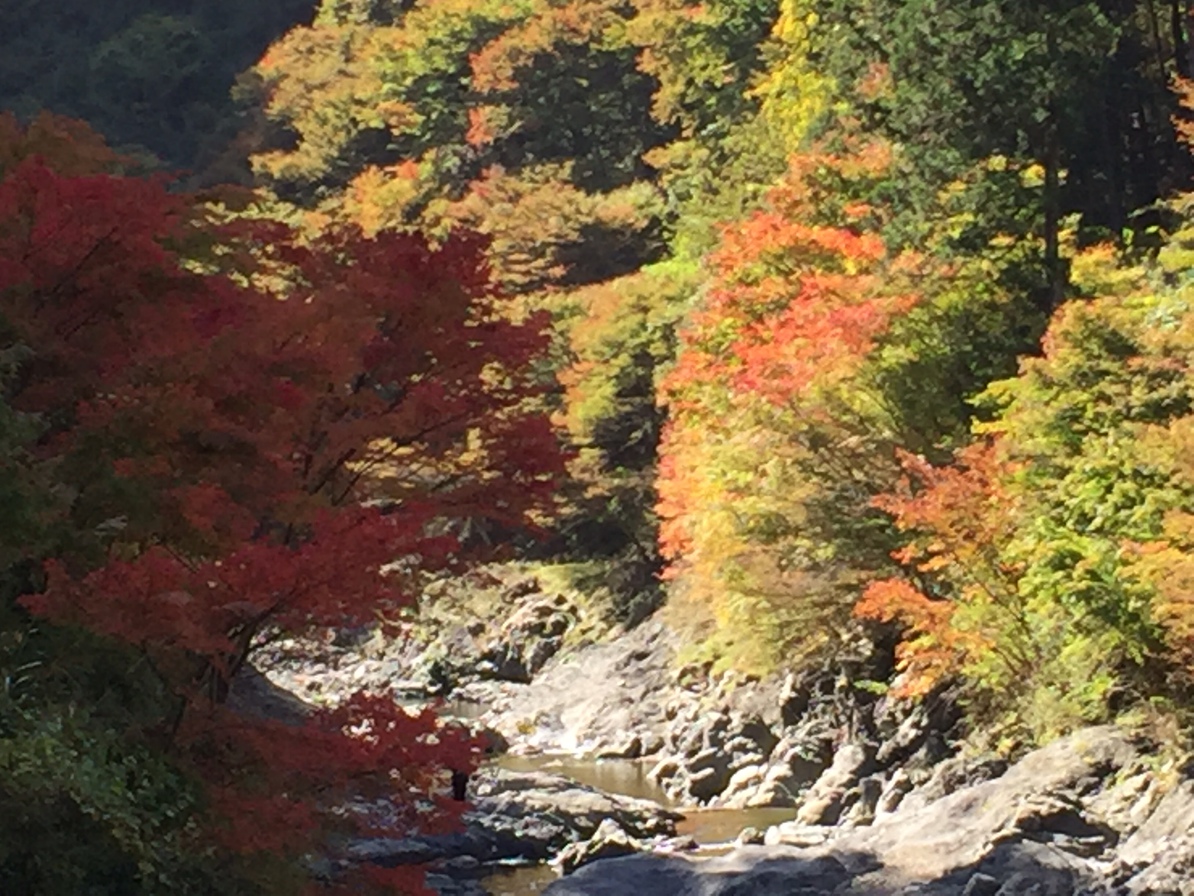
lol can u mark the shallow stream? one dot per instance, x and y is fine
(709, 827)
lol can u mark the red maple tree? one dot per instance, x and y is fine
(265, 434)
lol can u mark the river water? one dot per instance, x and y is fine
(711, 828)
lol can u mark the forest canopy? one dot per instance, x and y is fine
(793, 319)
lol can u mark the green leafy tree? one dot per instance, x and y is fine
(1021, 558)
(1071, 86)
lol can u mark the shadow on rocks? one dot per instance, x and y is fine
(1014, 869)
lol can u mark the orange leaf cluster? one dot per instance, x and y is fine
(496, 66)
(795, 310)
(932, 648)
(958, 518)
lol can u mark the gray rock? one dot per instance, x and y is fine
(503, 662)
(715, 732)
(958, 831)
(536, 655)
(255, 695)
(664, 770)
(608, 841)
(863, 801)
(823, 808)
(894, 792)
(709, 773)
(981, 885)
(850, 763)
(706, 784)
(749, 837)
(904, 727)
(598, 693)
(1033, 869)
(1172, 820)
(826, 798)
(1009, 836)
(737, 745)
(682, 843)
(651, 743)
(1170, 874)
(793, 833)
(1131, 799)
(710, 757)
(745, 760)
(794, 699)
(957, 772)
(759, 733)
(906, 739)
(494, 742)
(628, 748)
(748, 871)
(776, 792)
(803, 768)
(742, 786)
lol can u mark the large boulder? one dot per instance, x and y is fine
(533, 633)
(747, 871)
(956, 773)
(1170, 821)
(1170, 874)
(1158, 858)
(1022, 868)
(598, 698)
(1039, 798)
(825, 800)
(608, 842)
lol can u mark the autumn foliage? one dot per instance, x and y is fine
(798, 264)
(1045, 565)
(763, 426)
(958, 519)
(801, 262)
(260, 434)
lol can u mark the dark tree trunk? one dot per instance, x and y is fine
(1052, 201)
(1180, 23)
(1054, 269)
(459, 785)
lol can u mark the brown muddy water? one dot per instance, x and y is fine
(713, 829)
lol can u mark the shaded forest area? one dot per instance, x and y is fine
(156, 78)
(787, 316)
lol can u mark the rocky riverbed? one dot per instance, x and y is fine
(1088, 814)
(827, 784)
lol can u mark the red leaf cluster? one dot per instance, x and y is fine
(263, 432)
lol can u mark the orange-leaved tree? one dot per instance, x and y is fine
(257, 434)
(776, 431)
(960, 520)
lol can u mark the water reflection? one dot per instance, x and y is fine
(628, 777)
(522, 880)
(713, 829)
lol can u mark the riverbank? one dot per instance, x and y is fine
(613, 747)
(1092, 814)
